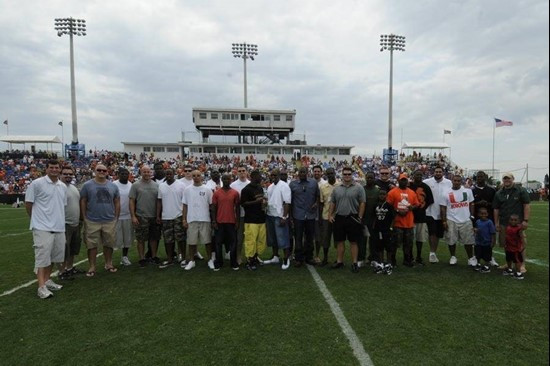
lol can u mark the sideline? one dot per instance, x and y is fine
(356, 345)
(533, 261)
(54, 274)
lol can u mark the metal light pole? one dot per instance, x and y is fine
(71, 27)
(391, 42)
(62, 139)
(244, 51)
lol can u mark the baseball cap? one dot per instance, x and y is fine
(403, 176)
(508, 175)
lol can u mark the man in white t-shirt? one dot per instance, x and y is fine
(45, 202)
(169, 213)
(439, 186)
(278, 207)
(238, 185)
(124, 228)
(197, 202)
(187, 180)
(457, 215)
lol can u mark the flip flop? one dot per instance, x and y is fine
(90, 274)
(111, 269)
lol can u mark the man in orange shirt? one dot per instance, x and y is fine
(404, 200)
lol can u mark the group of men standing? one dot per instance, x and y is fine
(295, 219)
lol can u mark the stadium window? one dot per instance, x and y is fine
(146, 149)
(172, 149)
(267, 117)
(209, 149)
(343, 151)
(235, 116)
(289, 118)
(226, 116)
(202, 115)
(213, 116)
(223, 150)
(276, 117)
(158, 148)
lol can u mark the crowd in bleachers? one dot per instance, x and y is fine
(19, 168)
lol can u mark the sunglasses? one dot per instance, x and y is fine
(346, 174)
(187, 170)
(384, 173)
(101, 170)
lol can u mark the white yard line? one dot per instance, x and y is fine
(355, 343)
(534, 261)
(54, 274)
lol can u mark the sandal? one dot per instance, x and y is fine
(111, 269)
(90, 274)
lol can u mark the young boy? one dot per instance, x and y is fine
(382, 234)
(485, 240)
(514, 248)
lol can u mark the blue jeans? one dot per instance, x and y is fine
(277, 235)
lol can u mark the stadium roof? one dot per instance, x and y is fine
(21, 139)
(426, 145)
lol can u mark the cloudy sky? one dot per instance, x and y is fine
(144, 65)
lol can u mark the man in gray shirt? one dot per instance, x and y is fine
(73, 222)
(143, 209)
(100, 207)
(347, 207)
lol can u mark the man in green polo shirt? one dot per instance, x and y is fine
(511, 199)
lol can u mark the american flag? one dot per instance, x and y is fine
(501, 122)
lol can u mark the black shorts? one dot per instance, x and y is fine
(383, 240)
(435, 227)
(346, 227)
(484, 252)
(514, 257)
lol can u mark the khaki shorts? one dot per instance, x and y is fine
(421, 232)
(98, 234)
(460, 233)
(124, 233)
(199, 232)
(49, 247)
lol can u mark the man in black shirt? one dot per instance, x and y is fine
(425, 198)
(254, 203)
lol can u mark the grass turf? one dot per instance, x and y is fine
(430, 315)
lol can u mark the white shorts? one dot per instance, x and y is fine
(421, 232)
(462, 233)
(124, 234)
(199, 232)
(49, 247)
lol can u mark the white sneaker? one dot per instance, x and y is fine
(190, 266)
(453, 261)
(433, 258)
(52, 286)
(274, 260)
(227, 255)
(44, 293)
(180, 258)
(360, 264)
(472, 262)
(286, 265)
(125, 261)
(211, 264)
(183, 263)
(494, 262)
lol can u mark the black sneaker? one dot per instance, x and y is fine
(354, 268)
(477, 267)
(142, 263)
(519, 276)
(76, 270)
(388, 269)
(419, 261)
(484, 269)
(508, 272)
(251, 267)
(324, 262)
(66, 275)
(337, 265)
(156, 260)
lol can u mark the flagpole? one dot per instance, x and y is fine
(493, 166)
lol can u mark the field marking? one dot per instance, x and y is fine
(534, 261)
(54, 274)
(356, 345)
(17, 233)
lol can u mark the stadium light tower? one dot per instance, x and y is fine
(76, 27)
(391, 42)
(245, 51)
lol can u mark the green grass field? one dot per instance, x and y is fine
(433, 315)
